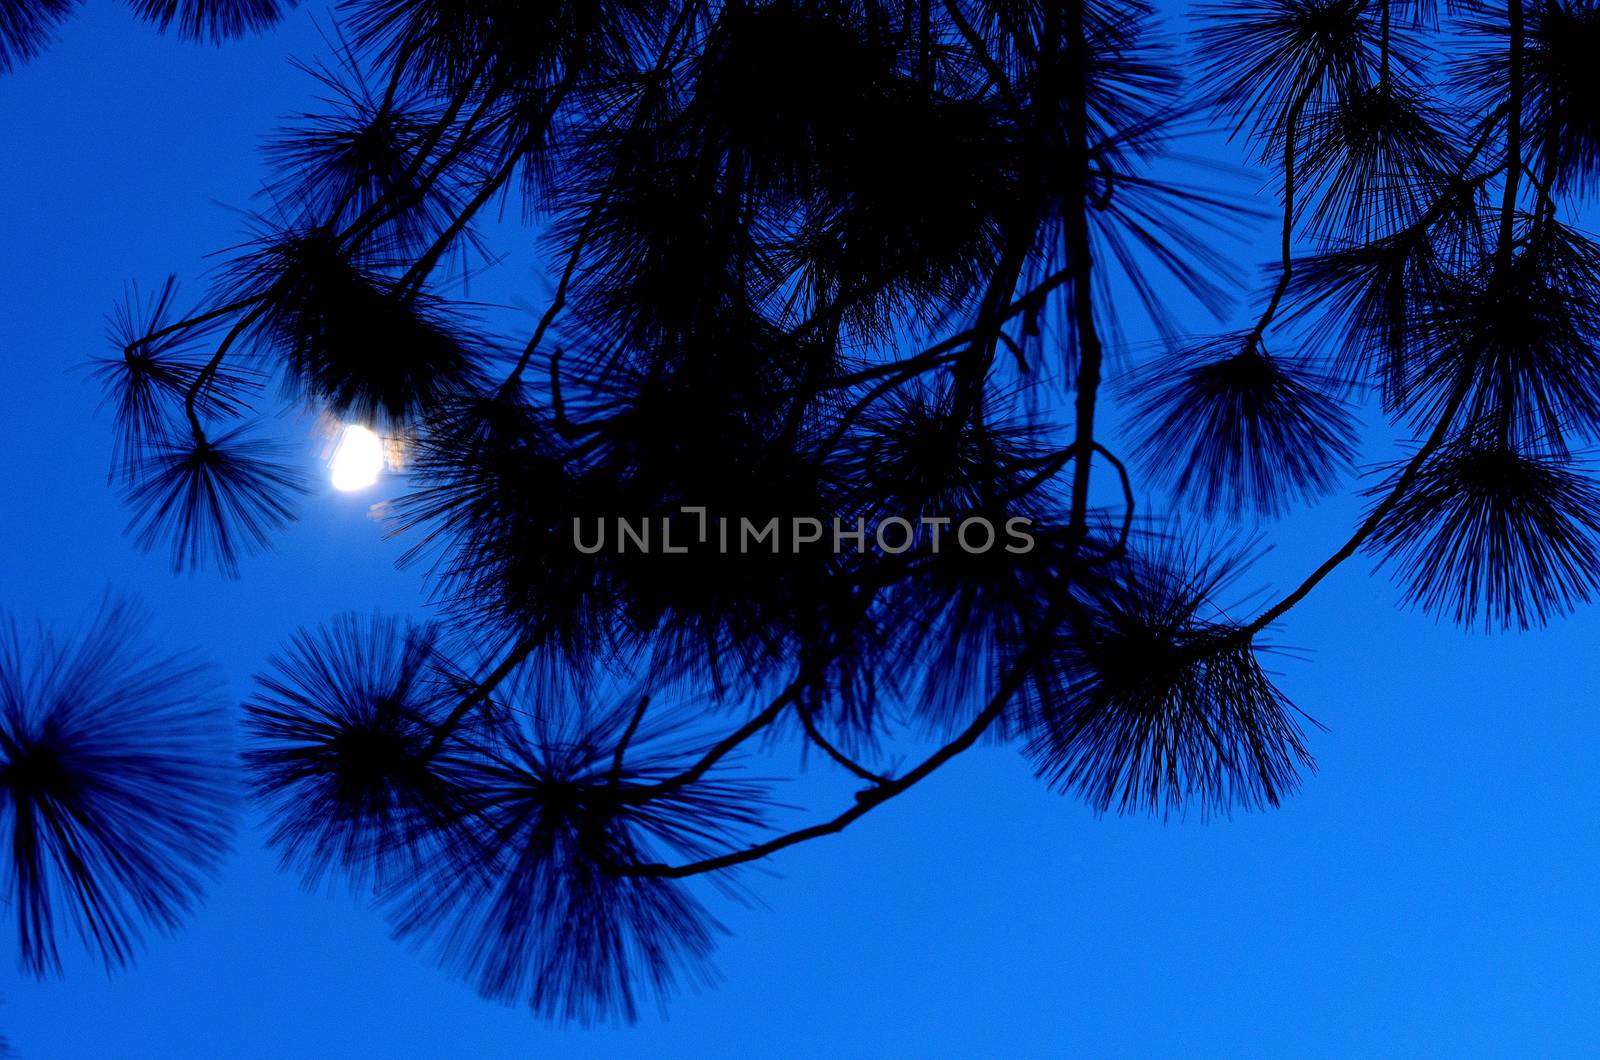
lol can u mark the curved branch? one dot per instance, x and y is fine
(1286, 257)
(381, 209)
(191, 322)
(480, 692)
(206, 374)
(871, 797)
(834, 753)
(719, 750)
(1510, 110)
(1371, 523)
(941, 353)
(1117, 550)
(627, 737)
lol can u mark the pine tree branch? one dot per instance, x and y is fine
(671, 52)
(206, 374)
(719, 750)
(627, 737)
(1370, 525)
(1076, 223)
(1419, 460)
(870, 798)
(479, 694)
(833, 752)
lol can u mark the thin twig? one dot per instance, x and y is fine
(1412, 469)
(669, 54)
(480, 692)
(834, 753)
(206, 374)
(627, 736)
(646, 792)
(981, 51)
(880, 793)
(191, 322)
(1076, 226)
(1371, 523)
(1286, 257)
(1121, 547)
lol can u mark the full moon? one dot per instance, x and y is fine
(358, 460)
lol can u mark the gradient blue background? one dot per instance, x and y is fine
(1432, 891)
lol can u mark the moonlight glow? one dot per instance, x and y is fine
(358, 460)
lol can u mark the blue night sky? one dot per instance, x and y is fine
(1431, 891)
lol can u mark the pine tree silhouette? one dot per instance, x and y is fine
(851, 260)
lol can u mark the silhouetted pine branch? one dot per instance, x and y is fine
(27, 26)
(855, 261)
